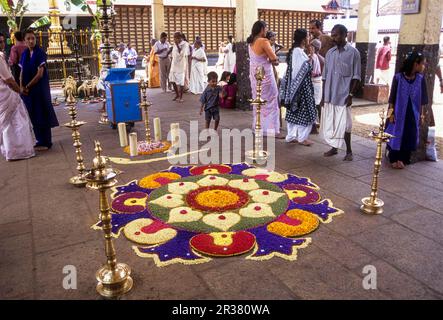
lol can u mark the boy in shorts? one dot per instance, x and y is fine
(210, 100)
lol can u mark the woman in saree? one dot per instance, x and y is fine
(407, 105)
(297, 91)
(229, 93)
(16, 136)
(154, 67)
(262, 56)
(36, 93)
(199, 67)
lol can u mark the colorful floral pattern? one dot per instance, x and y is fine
(239, 209)
(217, 198)
(210, 169)
(145, 148)
(189, 214)
(295, 223)
(148, 231)
(301, 194)
(130, 202)
(262, 174)
(223, 243)
(158, 179)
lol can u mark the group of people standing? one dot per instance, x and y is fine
(313, 81)
(321, 79)
(125, 56)
(26, 111)
(180, 66)
(322, 76)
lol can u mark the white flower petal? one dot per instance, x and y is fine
(245, 184)
(184, 214)
(222, 221)
(169, 200)
(212, 180)
(265, 196)
(182, 187)
(257, 210)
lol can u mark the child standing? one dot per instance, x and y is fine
(210, 100)
(406, 109)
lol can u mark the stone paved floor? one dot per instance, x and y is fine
(45, 225)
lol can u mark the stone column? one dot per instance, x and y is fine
(421, 32)
(158, 18)
(366, 38)
(245, 15)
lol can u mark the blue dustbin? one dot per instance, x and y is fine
(122, 97)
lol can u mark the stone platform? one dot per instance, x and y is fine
(45, 225)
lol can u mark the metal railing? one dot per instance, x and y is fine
(64, 64)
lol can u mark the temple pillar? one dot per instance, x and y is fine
(366, 39)
(421, 32)
(245, 15)
(57, 46)
(158, 18)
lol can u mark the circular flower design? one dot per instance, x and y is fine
(212, 205)
(188, 214)
(217, 198)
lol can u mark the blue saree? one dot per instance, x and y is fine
(38, 102)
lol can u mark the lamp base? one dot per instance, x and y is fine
(257, 156)
(372, 208)
(78, 181)
(114, 283)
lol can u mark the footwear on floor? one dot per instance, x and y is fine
(41, 148)
(306, 143)
(394, 165)
(331, 152)
(348, 157)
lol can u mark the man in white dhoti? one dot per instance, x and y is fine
(177, 74)
(341, 76)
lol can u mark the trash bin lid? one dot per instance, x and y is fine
(119, 74)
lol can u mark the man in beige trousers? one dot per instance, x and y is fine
(162, 49)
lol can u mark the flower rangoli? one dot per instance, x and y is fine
(190, 214)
